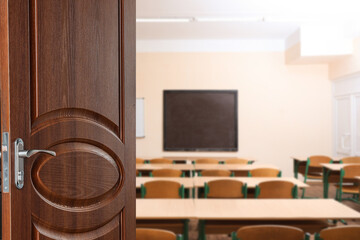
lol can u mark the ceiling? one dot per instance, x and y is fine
(251, 19)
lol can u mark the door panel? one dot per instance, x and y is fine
(72, 91)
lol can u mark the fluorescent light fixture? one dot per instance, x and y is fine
(229, 19)
(164, 20)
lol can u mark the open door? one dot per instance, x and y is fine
(67, 70)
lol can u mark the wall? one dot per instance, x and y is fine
(283, 110)
(348, 66)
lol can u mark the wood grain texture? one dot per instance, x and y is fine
(5, 109)
(72, 71)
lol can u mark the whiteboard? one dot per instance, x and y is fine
(140, 131)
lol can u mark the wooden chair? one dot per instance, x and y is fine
(167, 173)
(162, 189)
(206, 161)
(154, 234)
(140, 161)
(313, 168)
(276, 189)
(215, 173)
(350, 160)
(225, 189)
(269, 232)
(161, 161)
(236, 161)
(348, 174)
(339, 233)
(264, 172)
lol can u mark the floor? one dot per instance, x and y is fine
(314, 191)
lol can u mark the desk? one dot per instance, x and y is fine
(223, 216)
(334, 170)
(150, 167)
(168, 214)
(187, 182)
(250, 181)
(192, 158)
(232, 167)
(299, 163)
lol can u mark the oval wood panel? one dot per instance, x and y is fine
(80, 175)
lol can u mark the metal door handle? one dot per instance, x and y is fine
(20, 154)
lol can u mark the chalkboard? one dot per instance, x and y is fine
(200, 120)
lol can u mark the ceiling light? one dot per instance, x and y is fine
(164, 20)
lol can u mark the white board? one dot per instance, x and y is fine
(140, 131)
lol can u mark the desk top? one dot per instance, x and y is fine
(232, 167)
(250, 181)
(273, 209)
(336, 167)
(192, 158)
(244, 209)
(165, 209)
(186, 181)
(304, 158)
(186, 167)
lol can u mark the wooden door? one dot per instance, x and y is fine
(68, 85)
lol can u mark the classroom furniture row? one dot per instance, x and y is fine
(343, 171)
(223, 216)
(194, 169)
(261, 232)
(198, 160)
(253, 184)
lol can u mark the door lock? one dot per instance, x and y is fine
(20, 154)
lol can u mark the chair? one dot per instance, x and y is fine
(350, 160)
(140, 161)
(161, 161)
(313, 168)
(225, 189)
(348, 174)
(215, 173)
(206, 161)
(269, 232)
(264, 172)
(162, 189)
(339, 233)
(155, 234)
(236, 161)
(276, 189)
(166, 189)
(167, 173)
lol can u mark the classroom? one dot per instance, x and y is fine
(180, 119)
(248, 120)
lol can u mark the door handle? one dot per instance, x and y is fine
(20, 154)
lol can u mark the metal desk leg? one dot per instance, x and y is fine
(326, 174)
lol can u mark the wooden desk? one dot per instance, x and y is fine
(187, 182)
(168, 214)
(223, 216)
(299, 163)
(150, 167)
(331, 174)
(165, 209)
(192, 158)
(232, 167)
(250, 181)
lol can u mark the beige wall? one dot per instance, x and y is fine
(283, 110)
(347, 66)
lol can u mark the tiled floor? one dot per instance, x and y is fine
(314, 191)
